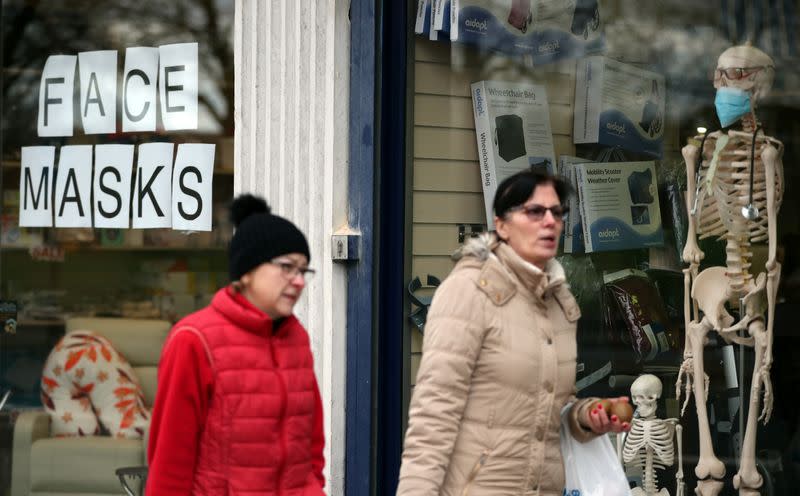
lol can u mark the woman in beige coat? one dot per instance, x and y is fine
(498, 360)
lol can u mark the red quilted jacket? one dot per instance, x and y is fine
(256, 405)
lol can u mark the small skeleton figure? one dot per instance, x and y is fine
(735, 187)
(649, 444)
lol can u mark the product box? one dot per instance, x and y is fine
(547, 30)
(440, 20)
(573, 228)
(619, 205)
(618, 104)
(425, 19)
(512, 127)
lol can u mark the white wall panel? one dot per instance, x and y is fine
(292, 77)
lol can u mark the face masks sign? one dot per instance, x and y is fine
(102, 185)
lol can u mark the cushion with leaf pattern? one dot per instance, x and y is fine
(88, 388)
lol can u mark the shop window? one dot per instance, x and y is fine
(104, 135)
(652, 66)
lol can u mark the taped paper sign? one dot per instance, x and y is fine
(173, 68)
(161, 197)
(99, 186)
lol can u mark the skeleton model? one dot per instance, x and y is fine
(735, 187)
(649, 444)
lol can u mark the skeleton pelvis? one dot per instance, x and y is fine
(711, 290)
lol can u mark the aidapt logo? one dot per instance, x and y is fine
(476, 24)
(609, 233)
(616, 128)
(549, 47)
(479, 101)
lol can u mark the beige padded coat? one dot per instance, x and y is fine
(498, 366)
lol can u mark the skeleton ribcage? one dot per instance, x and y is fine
(719, 213)
(654, 434)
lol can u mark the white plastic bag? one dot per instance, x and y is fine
(591, 469)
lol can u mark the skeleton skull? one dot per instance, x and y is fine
(747, 68)
(645, 391)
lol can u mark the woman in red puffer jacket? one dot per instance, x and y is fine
(238, 409)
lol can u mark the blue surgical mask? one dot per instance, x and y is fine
(731, 103)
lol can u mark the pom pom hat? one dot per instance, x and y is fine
(260, 236)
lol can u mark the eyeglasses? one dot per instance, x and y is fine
(736, 73)
(290, 270)
(536, 212)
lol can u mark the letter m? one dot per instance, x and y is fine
(42, 188)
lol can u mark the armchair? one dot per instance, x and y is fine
(48, 466)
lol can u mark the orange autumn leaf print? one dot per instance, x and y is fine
(92, 354)
(72, 359)
(121, 405)
(87, 388)
(47, 401)
(106, 354)
(48, 382)
(127, 419)
(121, 392)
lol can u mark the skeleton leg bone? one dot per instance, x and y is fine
(748, 480)
(708, 465)
(679, 486)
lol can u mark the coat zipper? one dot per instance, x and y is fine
(474, 472)
(281, 413)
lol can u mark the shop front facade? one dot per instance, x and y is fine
(128, 127)
(615, 97)
(381, 131)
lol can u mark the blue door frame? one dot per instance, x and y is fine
(375, 299)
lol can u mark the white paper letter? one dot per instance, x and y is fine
(177, 85)
(112, 185)
(191, 187)
(55, 96)
(152, 192)
(74, 187)
(139, 89)
(36, 208)
(98, 76)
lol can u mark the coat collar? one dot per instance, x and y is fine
(531, 277)
(506, 269)
(245, 315)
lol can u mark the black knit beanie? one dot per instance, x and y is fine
(260, 236)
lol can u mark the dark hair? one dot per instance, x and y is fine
(516, 190)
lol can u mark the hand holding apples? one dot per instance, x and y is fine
(609, 415)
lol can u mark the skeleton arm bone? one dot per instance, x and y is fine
(691, 252)
(691, 255)
(679, 489)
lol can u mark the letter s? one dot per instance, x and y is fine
(188, 191)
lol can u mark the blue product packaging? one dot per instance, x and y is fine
(425, 20)
(619, 206)
(546, 30)
(619, 104)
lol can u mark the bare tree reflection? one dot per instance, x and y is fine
(36, 29)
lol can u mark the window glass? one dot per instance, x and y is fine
(607, 94)
(114, 114)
